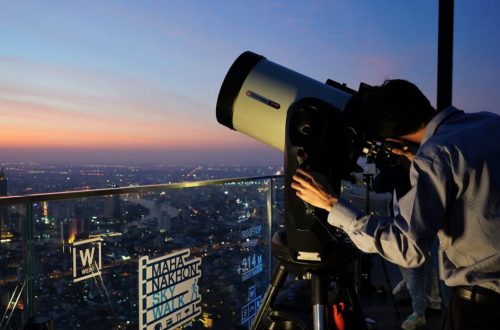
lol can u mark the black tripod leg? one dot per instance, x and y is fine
(388, 281)
(275, 285)
(358, 317)
(319, 301)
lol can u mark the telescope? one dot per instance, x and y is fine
(303, 118)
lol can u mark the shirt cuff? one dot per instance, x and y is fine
(343, 215)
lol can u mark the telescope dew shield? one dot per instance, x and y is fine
(256, 94)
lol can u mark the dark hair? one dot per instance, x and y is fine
(394, 109)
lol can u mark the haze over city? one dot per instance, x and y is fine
(137, 82)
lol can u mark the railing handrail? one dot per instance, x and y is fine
(72, 194)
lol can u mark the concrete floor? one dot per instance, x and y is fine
(380, 306)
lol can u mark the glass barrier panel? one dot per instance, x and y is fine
(12, 269)
(278, 205)
(193, 256)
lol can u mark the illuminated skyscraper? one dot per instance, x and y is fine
(44, 206)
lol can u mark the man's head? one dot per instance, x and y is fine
(394, 109)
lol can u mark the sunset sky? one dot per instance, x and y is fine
(137, 81)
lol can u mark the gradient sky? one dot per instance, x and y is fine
(137, 81)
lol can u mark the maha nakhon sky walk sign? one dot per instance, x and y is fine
(168, 290)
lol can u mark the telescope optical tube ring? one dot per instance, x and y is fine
(231, 86)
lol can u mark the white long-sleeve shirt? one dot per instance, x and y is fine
(455, 194)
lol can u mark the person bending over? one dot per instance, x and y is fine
(454, 194)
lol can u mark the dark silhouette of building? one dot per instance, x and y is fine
(3, 192)
(113, 207)
(3, 182)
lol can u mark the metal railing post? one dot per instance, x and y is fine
(29, 260)
(270, 189)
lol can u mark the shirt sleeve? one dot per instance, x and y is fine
(406, 238)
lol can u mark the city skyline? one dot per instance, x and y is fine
(137, 82)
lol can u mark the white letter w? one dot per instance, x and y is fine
(88, 257)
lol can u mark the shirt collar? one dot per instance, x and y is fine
(436, 121)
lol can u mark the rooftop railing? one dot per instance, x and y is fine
(139, 257)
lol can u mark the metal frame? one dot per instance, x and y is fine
(45, 197)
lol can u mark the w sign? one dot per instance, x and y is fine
(86, 259)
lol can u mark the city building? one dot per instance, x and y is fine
(3, 192)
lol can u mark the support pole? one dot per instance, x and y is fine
(29, 236)
(445, 54)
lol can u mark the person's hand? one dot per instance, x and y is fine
(404, 151)
(313, 189)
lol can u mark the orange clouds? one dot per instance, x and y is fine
(58, 107)
(25, 124)
(50, 112)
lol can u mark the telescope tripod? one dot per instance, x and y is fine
(345, 314)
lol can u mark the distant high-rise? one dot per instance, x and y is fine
(3, 192)
(3, 183)
(113, 208)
